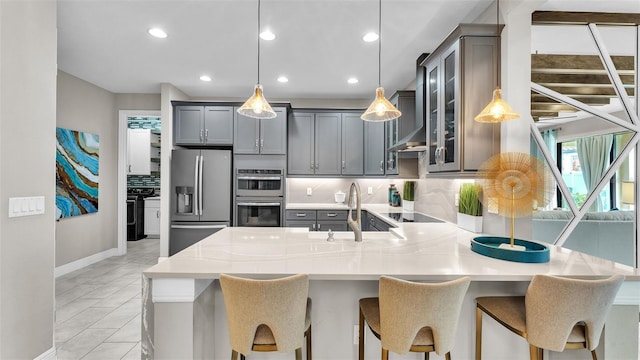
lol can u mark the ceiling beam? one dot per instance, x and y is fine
(574, 78)
(569, 63)
(583, 18)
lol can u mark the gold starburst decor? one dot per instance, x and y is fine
(515, 181)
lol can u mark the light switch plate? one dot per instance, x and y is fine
(309, 191)
(370, 190)
(26, 206)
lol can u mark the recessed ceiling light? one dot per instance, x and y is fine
(267, 35)
(370, 37)
(157, 32)
(205, 78)
(283, 79)
(352, 80)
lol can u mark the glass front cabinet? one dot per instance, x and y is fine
(461, 77)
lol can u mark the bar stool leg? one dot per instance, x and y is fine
(361, 337)
(533, 352)
(299, 354)
(593, 355)
(309, 343)
(385, 354)
(478, 333)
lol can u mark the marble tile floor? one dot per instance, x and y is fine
(98, 307)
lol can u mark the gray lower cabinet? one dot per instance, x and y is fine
(325, 143)
(374, 148)
(260, 136)
(317, 220)
(203, 125)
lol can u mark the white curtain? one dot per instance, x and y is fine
(593, 153)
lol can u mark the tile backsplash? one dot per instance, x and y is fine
(323, 189)
(433, 196)
(143, 181)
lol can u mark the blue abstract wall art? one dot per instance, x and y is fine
(77, 170)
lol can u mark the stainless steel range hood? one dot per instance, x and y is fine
(416, 140)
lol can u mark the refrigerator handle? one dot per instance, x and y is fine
(200, 186)
(195, 186)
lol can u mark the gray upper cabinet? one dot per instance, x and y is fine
(461, 77)
(218, 125)
(396, 129)
(260, 136)
(352, 144)
(301, 130)
(328, 137)
(314, 143)
(374, 148)
(203, 125)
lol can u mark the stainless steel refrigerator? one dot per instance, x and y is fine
(200, 195)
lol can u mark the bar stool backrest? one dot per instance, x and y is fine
(279, 304)
(554, 305)
(406, 307)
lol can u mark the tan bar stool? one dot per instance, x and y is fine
(410, 316)
(267, 315)
(555, 314)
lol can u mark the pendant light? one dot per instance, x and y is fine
(257, 106)
(380, 109)
(498, 110)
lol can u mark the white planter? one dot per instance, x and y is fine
(407, 205)
(471, 223)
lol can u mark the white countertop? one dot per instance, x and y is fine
(437, 251)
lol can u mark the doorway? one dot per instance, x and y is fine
(134, 172)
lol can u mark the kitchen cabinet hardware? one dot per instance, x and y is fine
(332, 214)
(301, 215)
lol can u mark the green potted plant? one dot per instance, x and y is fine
(408, 193)
(470, 208)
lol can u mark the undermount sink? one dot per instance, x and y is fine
(349, 235)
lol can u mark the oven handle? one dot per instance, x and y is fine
(259, 204)
(135, 211)
(259, 177)
(198, 226)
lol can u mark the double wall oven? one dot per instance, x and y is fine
(259, 197)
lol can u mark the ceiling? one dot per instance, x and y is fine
(318, 46)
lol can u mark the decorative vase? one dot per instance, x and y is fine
(470, 223)
(407, 205)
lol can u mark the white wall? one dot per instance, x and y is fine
(85, 107)
(28, 52)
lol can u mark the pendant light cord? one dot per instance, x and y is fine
(499, 43)
(258, 41)
(379, 41)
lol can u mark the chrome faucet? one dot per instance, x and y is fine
(356, 225)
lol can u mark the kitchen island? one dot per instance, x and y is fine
(184, 316)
